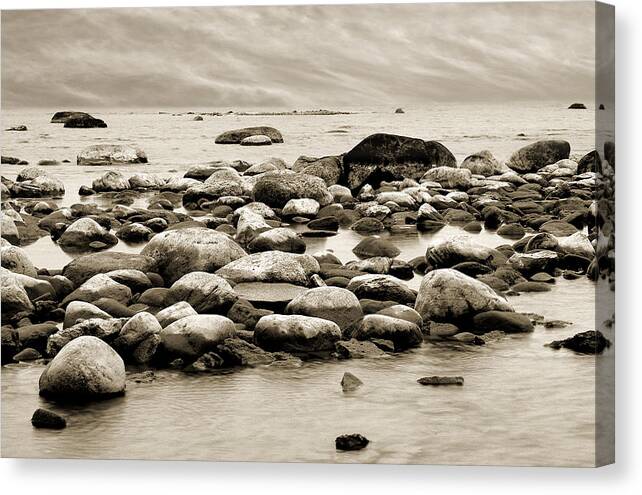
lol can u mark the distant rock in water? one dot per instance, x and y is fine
(256, 140)
(577, 106)
(84, 122)
(387, 157)
(61, 117)
(353, 441)
(237, 135)
(537, 155)
(591, 342)
(601, 107)
(17, 128)
(399, 110)
(107, 154)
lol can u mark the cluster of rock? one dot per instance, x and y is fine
(232, 284)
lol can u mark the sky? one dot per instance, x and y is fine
(304, 57)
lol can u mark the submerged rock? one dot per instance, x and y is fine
(441, 380)
(86, 368)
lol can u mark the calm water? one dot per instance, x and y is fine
(522, 403)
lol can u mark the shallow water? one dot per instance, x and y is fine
(522, 403)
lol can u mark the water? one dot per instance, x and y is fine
(522, 403)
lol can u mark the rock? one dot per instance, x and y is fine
(459, 249)
(349, 382)
(16, 260)
(138, 328)
(62, 117)
(249, 226)
(85, 231)
(443, 330)
(279, 239)
(534, 156)
(358, 349)
(381, 288)
(100, 286)
(106, 330)
(36, 336)
(507, 322)
(511, 230)
(244, 313)
(591, 162)
(449, 177)
(577, 106)
(205, 292)
(591, 342)
(330, 303)
(383, 157)
(353, 441)
(236, 136)
(402, 312)
(178, 252)
(10, 160)
(558, 228)
(304, 207)
(257, 140)
(368, 226)
(85, 368)
(14, 298)
(531, 287)
(10, 344)
(192, 336)
(262, 293)
(207, 362)
(468, 338)
(9, 230)
(81, 310)
(136, 280)
(399, 110)
(577, 244)
(42, 186)
(28, 354)
(296, 333)
(43, 418)
(402, 333)
(108, 154)
(271, 266)
(482, 163)
(446, 295)
(84, 267)
(83, 121)
(441, 380)
(370, 247)
(110, 181)
(17, 128)
(534, 262)
(275, 189)
(237, 352)
(174, 313)
(328, 168)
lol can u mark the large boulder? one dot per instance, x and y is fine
(296, 333)
(450, 252)
(83, 232)
(403, 334)
(447, 295)
(330, 303)
(192, 336)
(108, 154)
(204, 292)
(381, 288)
(86, 368)
(271, 266)
(537, 155)
(84, 267)
(181, 251)
(235, 136)
(329, 168)
(384, 157)
(275, 189)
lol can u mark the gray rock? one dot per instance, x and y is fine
(402, 333)
(330, 303)
(174, 313)
(81, 310)
(237, 135)
(98, 287)
(296, 333)
(205, 292)
(83, 232)
(349, 382)
(107, 154)
(192, 336)
(272, 266)
(534, 156)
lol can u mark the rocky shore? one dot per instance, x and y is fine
(223, 281)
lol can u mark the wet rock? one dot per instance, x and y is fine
(331, 303)
(106, 330)
(271, 266)
(138, 328)
(178, 252)
(110, 181)
(381, 157)
(268, 294)
(358, 349)
(543, 277)
(370, 247)
(591, 342)
(534, 262)
(86, 368)
(237, 352)
(16, 260)
(507, 322)
(511, 230)
(174, 313)
(449, 252)
(328, 168)
(577, 106)
(207, 362)
(279, 239)
(534, 156)
(19, 128)
(558, 228)
(81, 310)
(28, 354)
(446, 295)
(134, 233)
(243, 312)
(531, 287)
(468, 338)
(296, 333)
(353, 441)
(381, 288)
(108, 154)
(192, 336)
(349, 382)
(402, 333)
(36, 336)
(85, 231)
(205, 292)
(43, 418)
(275, 189)
(100, 286)
(442, 330)
(236, 136)
(441, 380)
(368, 226)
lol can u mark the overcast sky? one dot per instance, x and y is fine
(297, 57)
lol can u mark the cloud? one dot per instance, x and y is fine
(298, 57)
